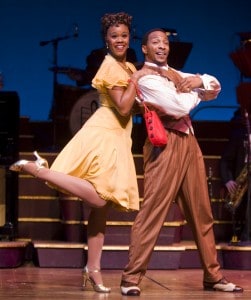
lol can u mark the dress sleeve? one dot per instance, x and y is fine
(111, 74)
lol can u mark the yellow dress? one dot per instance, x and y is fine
(100, 152)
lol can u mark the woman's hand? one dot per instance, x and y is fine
(143, 72)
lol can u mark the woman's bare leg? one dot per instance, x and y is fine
(96, 235)
(76, 186)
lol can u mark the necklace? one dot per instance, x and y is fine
(125, 67)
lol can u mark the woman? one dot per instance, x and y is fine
(97, 164)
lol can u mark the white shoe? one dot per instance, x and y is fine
(130, 290)
(223, 286)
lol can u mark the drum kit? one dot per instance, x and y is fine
(82, 103)
(64, 97)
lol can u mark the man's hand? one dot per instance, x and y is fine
(189, 83)
(231, 186)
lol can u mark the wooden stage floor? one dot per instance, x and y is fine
(30, 282)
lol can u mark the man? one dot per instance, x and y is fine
(174, 172)
(234, 158)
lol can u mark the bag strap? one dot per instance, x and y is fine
(139, 94)
(138, 91)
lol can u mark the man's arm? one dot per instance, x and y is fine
(207, 86)
(162, 94)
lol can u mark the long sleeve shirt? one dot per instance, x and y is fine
(161, 93)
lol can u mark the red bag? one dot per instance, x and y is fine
(155, 129)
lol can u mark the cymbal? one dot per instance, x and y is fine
(65, 70)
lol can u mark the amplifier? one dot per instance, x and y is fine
(9, 135)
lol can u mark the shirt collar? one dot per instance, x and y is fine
(155, 65)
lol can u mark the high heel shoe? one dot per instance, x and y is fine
(39, 162)
(100, 288)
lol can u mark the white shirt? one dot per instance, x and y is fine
(161, 93)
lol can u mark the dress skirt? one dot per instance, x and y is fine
(100, 152)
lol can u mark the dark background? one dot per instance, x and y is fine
(211, 26)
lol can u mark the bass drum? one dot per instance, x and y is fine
(84, 107)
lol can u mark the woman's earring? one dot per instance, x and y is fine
(107, 47)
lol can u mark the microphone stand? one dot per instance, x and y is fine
(54, 43)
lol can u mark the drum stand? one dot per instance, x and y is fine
(234, 239)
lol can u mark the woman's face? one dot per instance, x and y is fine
(117, 39)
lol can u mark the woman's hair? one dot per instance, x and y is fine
(146, 35)
(114, 19)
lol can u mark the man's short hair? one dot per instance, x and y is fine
(146, 35)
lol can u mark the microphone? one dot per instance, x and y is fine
(76, 30)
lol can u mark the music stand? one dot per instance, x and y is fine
(242, 56)
(179, 52)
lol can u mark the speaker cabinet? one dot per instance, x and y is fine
(9, 134)
(2, 197)
(9, 127)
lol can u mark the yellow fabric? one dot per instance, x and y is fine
(100, 152)
(109, 75)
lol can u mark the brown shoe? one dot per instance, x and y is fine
(223, 286)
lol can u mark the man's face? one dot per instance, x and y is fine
(157, 48)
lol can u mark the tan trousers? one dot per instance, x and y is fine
(176, 172)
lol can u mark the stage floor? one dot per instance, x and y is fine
(30, 282)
